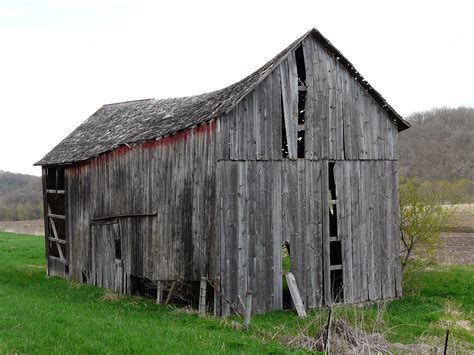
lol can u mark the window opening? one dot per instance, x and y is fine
(118, 247)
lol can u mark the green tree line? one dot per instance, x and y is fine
(20, 197)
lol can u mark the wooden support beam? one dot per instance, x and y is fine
(51, 191)
(64, 261)
(248, 309)
(58, 216)
(56, 240)
(170, 292)
(335, 267)
(123, 215)
(159, 292)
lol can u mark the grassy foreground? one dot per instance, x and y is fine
(51, 315)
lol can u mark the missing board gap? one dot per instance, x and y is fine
(333, 220)
(301, 72)
(284, 140)
(332, 181)
(285, 268)
(300, 65)
(301, 143)
(301, 107)
(335, 255)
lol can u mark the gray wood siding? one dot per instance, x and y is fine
(368, 212)
(265, 200)
(174, 177)
(261, 205)
(342, 120)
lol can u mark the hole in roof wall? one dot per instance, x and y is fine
(300, 144)
(300, 65)
(284, 140)
(301, 107)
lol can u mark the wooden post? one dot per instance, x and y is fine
(295, 295)
(202, 297)
(328, 332)
(248, 309)
(159, 292)
(170, 292)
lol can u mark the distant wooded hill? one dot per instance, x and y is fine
(20, 197)
(439, 145)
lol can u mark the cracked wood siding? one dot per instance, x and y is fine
(175, 177)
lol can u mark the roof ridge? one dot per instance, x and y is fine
(126, 102)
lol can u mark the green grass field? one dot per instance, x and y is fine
(50, 315)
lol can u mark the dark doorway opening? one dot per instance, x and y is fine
(285, 268)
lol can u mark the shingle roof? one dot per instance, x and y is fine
(123, 123)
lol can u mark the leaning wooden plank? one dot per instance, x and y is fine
(289, 111)
(276, 114)
(295, 295)
(58, 216)
(310, 98)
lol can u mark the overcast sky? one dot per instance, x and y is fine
(61, 60)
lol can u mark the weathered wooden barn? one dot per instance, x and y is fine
(301, 154)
